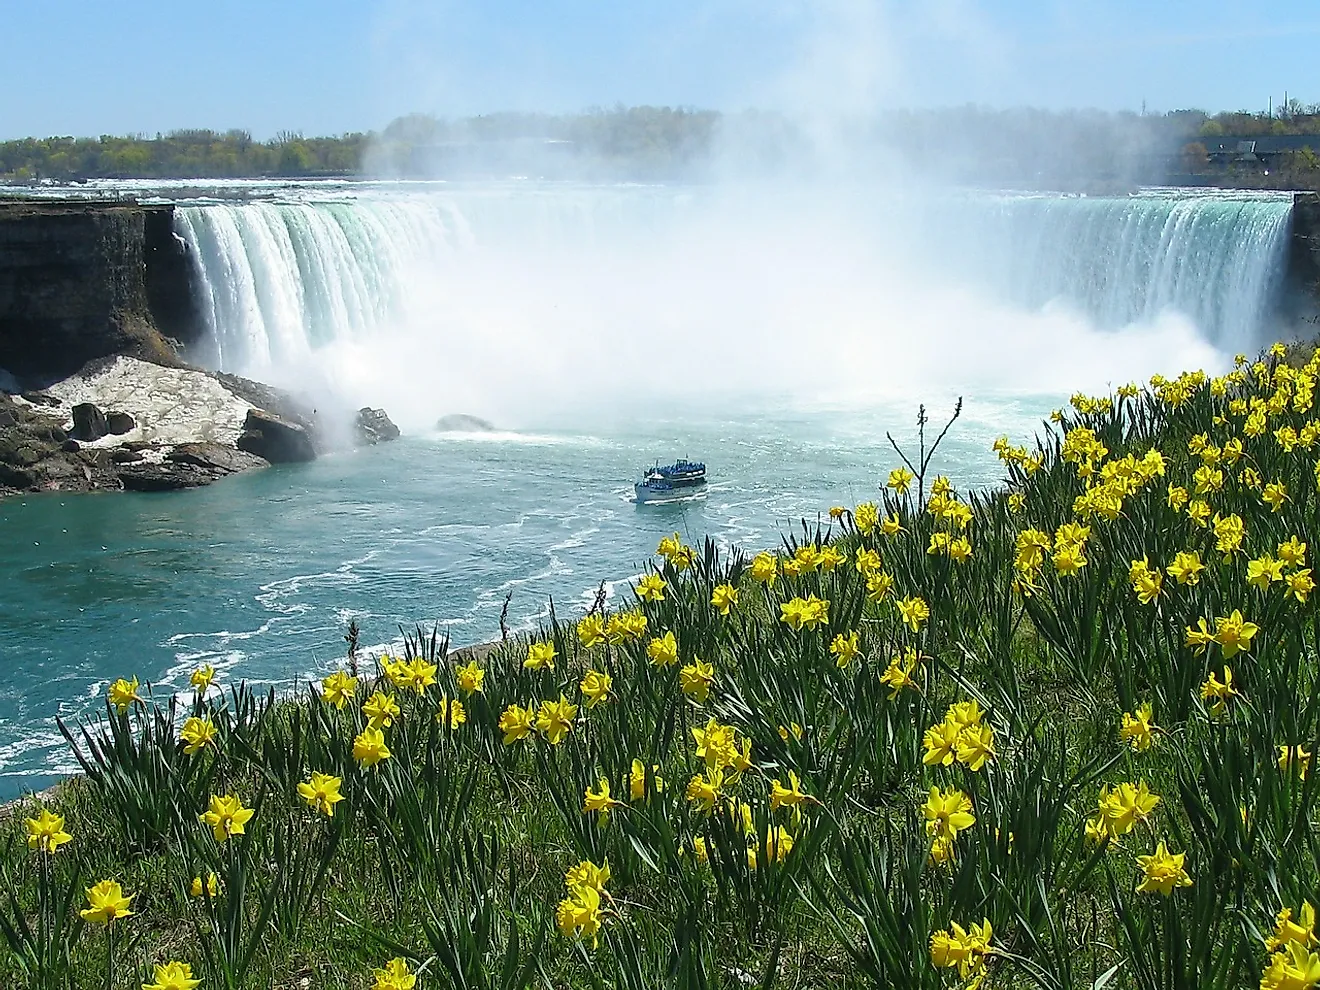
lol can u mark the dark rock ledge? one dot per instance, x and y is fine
(49, 442)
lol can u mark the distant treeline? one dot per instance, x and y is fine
(1090, 146)
(186, 154)
(968, 143)
(642, 140)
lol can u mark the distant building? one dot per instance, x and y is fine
(1258, 152)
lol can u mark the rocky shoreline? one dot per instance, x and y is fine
(98, 311)
(121, 423)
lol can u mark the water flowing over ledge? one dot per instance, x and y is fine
(278, 280)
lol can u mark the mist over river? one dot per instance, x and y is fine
(774, 334)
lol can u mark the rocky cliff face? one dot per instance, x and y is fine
(83, 280)
(1304, 253)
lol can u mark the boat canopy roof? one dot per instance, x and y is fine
(681, 466)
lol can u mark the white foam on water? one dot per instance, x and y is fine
(532, 304)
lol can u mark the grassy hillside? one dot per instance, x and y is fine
(1055, 735)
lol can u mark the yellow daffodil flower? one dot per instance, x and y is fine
(395, 976)
(1300, 932)
(790, 796)
(1162, 871)
(540, 656)
(45, 833)
(1293, 552)
(1138, 730)
(105, 903)
(578, 914)
(947, 812)
(369, 747)
(196, 733)
(1292, 968)
(898, 675)
(381, 710)
(338, 688)
(976, 746)
(637, 778)
(469, 677)
(900, 479)
(173, 976)
(595, 686)
(723, 598)
(845, 648)
(1300, 584)
(451, 713)
(765, 568)
(1217, 693)
(865, 517)
(1234, 634)
(321, 793)
(651, 588)
(1289, 756)
(516, 723)
(1125, 806)
(226, 816)
(965, 949)
(663, 650)
(696, 678)
(716, 744)
(554, 719)
(599, 800)
(913, 612)
(123, 693)
(591, 631)
(1186, 567)
(703, 790)
(418, 675)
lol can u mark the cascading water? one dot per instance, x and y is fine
(1216, 259)
(281, 279)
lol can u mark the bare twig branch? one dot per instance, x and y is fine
(504, 617)
(924, 456)
(957, 411)
(898, 450)
(352, 640)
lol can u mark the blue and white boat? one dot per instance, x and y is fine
(669, 482)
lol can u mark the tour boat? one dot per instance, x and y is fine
(667, 482)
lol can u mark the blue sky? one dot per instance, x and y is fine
(89, 67)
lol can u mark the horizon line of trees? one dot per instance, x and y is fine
(956, 142)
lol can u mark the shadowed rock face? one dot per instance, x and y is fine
(189, 465)
(278, 440)
(89, 422)
(372, 426)
(36, 454)
(74, 285)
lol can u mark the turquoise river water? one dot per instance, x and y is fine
(776, 344)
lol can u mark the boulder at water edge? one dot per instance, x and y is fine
(276, 439)
(119, 423)
(373, 426)
(88, 423)
(189, 465)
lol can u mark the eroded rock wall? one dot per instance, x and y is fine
(74, 284)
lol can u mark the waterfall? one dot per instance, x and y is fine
(278, 280)
(1219, 260)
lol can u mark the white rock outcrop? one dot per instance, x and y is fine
(169, 405)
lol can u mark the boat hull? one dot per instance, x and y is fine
(648, 494)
